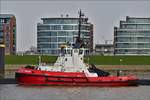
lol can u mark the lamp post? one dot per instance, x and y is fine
(2, 64)
(39, 60)
(119, 71)
(120, 60)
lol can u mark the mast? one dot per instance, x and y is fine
(79, 27)
(79, 41)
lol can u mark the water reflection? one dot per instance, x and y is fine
(16, 92)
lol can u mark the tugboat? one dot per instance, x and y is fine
(70, 69)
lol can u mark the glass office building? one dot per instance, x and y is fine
(53, 32)
(8, 33)
(132, 37)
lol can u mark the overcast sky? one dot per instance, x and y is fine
(103, 14)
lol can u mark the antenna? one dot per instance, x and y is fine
(67, 15)
(61, 15)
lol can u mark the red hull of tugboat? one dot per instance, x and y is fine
(37, 77)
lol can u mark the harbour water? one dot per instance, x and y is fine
(17, 92)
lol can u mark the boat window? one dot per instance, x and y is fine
(80, 52)
(68, 51)
(66, 59)
(71, 52)
(75, 51)
(63, 51)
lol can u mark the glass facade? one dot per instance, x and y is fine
(132, 37)
(53, 32)
(1, 33)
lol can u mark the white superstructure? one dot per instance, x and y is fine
(70, 60)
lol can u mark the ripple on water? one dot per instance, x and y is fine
(16, 92)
